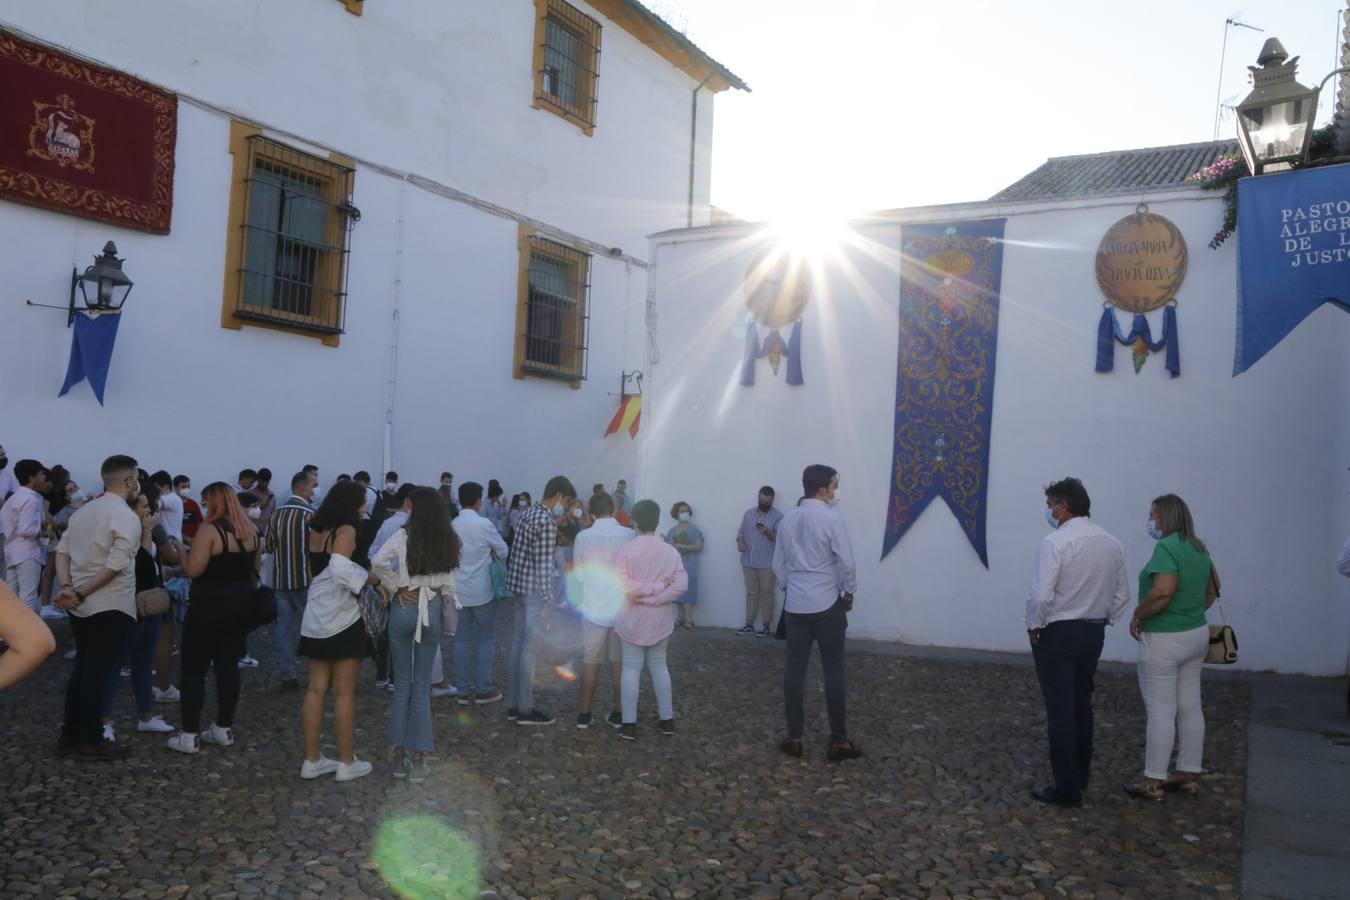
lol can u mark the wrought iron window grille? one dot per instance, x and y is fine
(557, 315)
(297, 225)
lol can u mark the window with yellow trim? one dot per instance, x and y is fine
(552, 318)
(566, 62)
(355, 7)
(290, 221)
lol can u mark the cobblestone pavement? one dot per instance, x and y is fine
(939, 806)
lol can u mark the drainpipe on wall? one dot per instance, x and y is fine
(393, 340)
(693, 147)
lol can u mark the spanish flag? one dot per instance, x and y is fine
(629, 416)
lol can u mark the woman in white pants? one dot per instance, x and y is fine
(1175, 589)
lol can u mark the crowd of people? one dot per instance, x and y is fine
(140, 568)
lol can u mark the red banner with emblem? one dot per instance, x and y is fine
(85, 140)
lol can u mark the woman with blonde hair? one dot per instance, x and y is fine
(222, 564)
(1175, 589)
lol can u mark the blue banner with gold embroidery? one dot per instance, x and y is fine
(944, 393)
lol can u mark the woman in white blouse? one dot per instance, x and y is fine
(416, 565)
(332, 634)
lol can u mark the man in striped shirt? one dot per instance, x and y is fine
(529, 576)
(287, 538)
(755, 540)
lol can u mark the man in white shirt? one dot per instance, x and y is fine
(402, 504)
(22, 519)
(1077, 588)
(595, 591)
(476, 633)
(813, 561)
(8, 485)
(96, 568)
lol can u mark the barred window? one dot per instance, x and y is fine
(567, 62)
(292, 264)
(552, 317)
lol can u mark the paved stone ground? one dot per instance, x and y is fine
(938, 808)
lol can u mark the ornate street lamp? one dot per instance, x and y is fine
(1275, 121)
(105, 279)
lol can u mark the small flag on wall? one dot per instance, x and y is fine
(629, 416)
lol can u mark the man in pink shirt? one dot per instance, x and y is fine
(22, 519)
(652, 577)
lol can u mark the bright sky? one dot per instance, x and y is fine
(876, 104)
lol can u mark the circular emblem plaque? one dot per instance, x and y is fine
(1141, 262)
(777, 288)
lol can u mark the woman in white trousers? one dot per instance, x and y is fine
(1175, 589)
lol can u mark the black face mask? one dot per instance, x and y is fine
(4, 461)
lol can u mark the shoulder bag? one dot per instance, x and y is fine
(374, 605)
(1223, 645)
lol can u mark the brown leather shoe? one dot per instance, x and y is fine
(842, 751)
(792, 747)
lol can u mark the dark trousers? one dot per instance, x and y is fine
(826, 629)
(1066, 662)
(99, 642)
(213, 635)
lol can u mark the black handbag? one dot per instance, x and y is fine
(264, 610)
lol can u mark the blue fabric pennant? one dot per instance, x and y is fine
(91, 349)
(794, 354)
(944, 395)
(1292, 257)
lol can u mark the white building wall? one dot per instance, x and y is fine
(1260, 458)
(436, 88)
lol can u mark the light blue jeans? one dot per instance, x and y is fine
(410, 663)
(634, 655)
(477, 631)
(290, 610)
(524, 646)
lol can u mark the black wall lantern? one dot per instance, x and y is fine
(102, 288)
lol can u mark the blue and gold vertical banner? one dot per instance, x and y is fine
(944, 394)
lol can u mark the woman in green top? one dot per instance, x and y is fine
(1175, 589)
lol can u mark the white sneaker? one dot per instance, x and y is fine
(357, 769)
(445, 691)
(248, 662)
(324, 766)
(126, 672)
(155, 724)
(217, 735)
(183, 742)
(70, 654)
(389, 686)
(51, 612)
(170, 695)
(382, 684)
(108, 733)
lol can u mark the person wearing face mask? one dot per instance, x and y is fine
(1175, 589)
(96, 567)
(529, 576)
(494, 509)
(23, 521)
(287, 541)
(685, 537)
(192, 511)
(267, 499)
(813, 560)
(8, 485)
(519, 504)
(755, 541)
(1078, 587)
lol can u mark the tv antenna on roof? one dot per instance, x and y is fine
(1228, 24)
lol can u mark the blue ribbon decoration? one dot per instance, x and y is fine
(1108, 332)
(751, 354)
(91, 349)
(794, 354)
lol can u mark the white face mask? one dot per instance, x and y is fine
(577, 513)
(684, 515)
(391, 486)
(183, 492)
(255, 512)
(521, 504)
(834, 501)
(79, 496)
